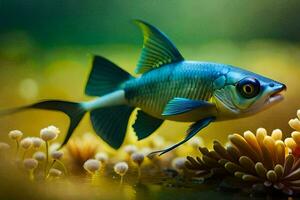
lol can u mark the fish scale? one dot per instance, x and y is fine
(154, 89)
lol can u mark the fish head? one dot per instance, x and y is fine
(241, 93)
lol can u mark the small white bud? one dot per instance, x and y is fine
(4, 146)
(39, 156)
(130, 149)
(54, 147)
(50, 133)
(121, 168)
(56, 155)
(55, 172)
(298, 114)
(92, 165)
(37, 142)
(15, 135)
(26, 143)
(102, 157)
(137, 158)
(30, 163)
(196, 142)
(179, 163)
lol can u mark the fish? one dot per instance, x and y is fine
(167, 87)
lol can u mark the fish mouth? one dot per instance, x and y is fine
(277, 95)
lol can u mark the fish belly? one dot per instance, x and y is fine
(153, 90)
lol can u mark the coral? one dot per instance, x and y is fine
(254, 158)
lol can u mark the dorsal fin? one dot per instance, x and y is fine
(157, 49)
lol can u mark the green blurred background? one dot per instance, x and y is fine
(46, 49)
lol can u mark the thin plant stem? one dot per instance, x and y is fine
(139, 172)
(24, 154)
(63, 166)
(48, 169)
(47, 152)
(93, 179)
(18, 147)
(121, 180)
(31, 175)
(52, 164)
(47, 159)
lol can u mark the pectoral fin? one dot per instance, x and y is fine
(193, 130)
(182, 105)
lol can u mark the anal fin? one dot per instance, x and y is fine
(110, 123)
(145, 124)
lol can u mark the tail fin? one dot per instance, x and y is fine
(74, 110)
(110, 123)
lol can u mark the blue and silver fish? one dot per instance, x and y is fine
(169, 88)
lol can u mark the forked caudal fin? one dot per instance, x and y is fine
(109, 115)
(74, 110)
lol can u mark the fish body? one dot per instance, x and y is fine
(169, 88)
(153, 90)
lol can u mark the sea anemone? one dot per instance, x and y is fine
(254, 158)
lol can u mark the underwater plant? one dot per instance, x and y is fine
(258, 159)
(138, 159)
(92, 166)
(16, 135)
(179, 163)
(102, 157)
(30, 164)
(121, 168)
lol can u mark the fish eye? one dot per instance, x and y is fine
(248, 87)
